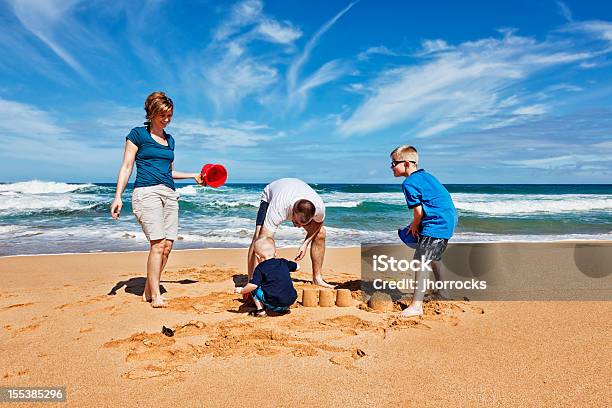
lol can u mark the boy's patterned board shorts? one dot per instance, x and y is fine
(259, 295)
(430, 248)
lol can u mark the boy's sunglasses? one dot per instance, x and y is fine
(396, 162)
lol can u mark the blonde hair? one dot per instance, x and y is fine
(157, 103)
(406, 152)
(265, 247)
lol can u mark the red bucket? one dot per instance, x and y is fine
(214, 175)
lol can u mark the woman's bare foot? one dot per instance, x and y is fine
(148, 299)
(146, 293)
(321, 282)
(158, 302)
(412, 311)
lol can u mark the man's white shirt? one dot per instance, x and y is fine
(282, 194)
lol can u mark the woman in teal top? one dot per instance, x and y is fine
(154, 200)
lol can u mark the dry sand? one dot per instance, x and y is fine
(60, 326)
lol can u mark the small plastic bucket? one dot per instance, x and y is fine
(407, 237)
(214, 175)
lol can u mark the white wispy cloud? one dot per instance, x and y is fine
(230, 68)
(274, 31)
(243, 13)
(355, 88)
(20, 49)
(52, 23)
(222, 134)
(433, 46)
(598, 28)
(538, 109)
(558, 162)
(564, 10)
(378, 50)
(31, 133)
(546, 145)
(25, 120)
(603, 145)
(296, 91)
(564, 87)
(512, 100)
(327, 73)
(473, 82)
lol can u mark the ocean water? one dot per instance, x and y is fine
(38, 217)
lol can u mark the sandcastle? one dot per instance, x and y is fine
(344, 298)
(312, 297)
(381, 301)
(326, 298)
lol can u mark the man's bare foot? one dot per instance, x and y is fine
(159, 302)
(321, 282)
(411, 311)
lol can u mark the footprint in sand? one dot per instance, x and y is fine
(350, 325)
(152, 371)
(348, 361)
(17, 305)
(108, 310)
(26, 329)
(85, 302)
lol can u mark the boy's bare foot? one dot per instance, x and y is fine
(159, 302)
(411, 311)
(258, 313)
(321, 282)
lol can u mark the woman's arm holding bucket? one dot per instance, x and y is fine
(179, 175)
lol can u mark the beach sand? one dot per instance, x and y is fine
(78, 321)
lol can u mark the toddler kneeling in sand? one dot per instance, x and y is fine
(271, 285)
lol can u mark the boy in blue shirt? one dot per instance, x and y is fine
(271, 284)
(434, 221)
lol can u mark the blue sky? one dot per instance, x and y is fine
(489, 92)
